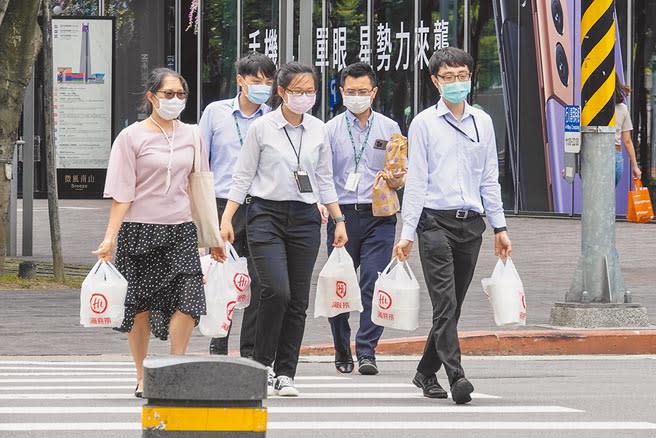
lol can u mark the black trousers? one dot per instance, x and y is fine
(248, 325)
(449, 249)
(284, 239)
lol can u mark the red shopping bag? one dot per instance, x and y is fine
(640, 209)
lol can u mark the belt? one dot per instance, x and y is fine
(457, 214)
(355, 207)
(247, 199)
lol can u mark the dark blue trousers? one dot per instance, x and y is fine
(248, 323)
(370, 243)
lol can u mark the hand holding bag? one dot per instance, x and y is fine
(102, 296)
(203, 202)
(505, 291)
(639, 209)
(338, 289)
(396, 298)
(220, 301)
(236, 276)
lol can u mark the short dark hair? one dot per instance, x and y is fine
(254, 63)
(154, 83)
(621, 90)
(357, 70)
(284, 77)
(451, 56)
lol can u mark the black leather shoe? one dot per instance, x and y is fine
(429, 385)
(461, 391)
(367, 366)
(344, 362)
(138, 393)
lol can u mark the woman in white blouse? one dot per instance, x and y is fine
(286, 166)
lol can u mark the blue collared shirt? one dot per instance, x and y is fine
(267, 161)
(451, 169)
(218, 129)
(372, 160)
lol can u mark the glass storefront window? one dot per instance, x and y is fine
(260, 22)
(219, 50)
(77, 7)
(393, 49)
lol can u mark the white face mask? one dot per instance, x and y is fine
(357, 104)
(170, 109)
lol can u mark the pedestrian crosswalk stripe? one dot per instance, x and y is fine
(461, 425)
(354, 385)
(71, 373)
(55, 363)
(37, 368)
(278, 410)
(69, 380)
(364, 425)
(62, 387)
(312, 395)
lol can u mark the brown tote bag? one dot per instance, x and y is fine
(203, 202)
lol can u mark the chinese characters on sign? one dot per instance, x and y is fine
(383, 45)
(270, 43)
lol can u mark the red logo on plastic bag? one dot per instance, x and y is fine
(98, 303)
(230, 309)
(241, 281)
(340, 288)
(384, 299)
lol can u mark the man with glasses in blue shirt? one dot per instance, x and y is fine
(223, 127)
(358, 139)
(452, 179)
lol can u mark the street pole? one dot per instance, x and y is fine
(597, 295)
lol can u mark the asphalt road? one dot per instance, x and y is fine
(583, 396)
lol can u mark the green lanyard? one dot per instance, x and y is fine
(241, 139)
(358, 155)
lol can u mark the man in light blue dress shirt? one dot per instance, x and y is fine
(223, 127)
(358, 139)
(452, 179)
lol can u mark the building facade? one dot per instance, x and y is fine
(203, 38)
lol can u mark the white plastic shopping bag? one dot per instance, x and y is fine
(338, 289)
(396, 297)
(102, 297)
(220, 300)
(505, 291)
(236, 275)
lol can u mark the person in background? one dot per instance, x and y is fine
(285, 165)
(223, 126)
(150, 222)
(452, 167)
(623, 128)
(358, 139)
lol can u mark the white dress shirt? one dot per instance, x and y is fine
(267, 161)
(452, 165)
(372, 159)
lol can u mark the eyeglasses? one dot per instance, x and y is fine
(168, 94)
(360, 92)
(301, 92)
(461, 77)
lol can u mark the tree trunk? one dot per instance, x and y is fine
(20, 41)
(53, 202)
(3, 8)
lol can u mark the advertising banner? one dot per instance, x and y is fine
(82, 101)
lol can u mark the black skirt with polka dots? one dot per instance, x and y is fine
(162, 267)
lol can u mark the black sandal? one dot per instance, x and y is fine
(137, 393)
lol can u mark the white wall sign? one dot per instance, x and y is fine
(82, 51)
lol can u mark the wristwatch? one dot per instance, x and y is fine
(339, 219)
(500, 230)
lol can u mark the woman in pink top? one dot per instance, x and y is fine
(150, 222)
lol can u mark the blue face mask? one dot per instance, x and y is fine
(259, 93)
(456, 92)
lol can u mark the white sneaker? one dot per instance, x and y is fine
(271, 380)
(285, 387)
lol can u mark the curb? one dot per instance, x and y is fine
(525, 342)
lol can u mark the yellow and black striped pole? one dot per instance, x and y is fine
(598, 280)
(598, 62)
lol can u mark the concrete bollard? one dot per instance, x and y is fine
(215, 396)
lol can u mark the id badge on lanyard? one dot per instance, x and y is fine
(353, 178)
(300, 175)
(352, 181)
